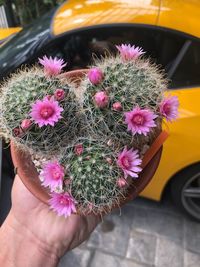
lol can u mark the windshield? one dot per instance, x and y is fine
(24, 45)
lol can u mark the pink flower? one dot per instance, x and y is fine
(95, 75)
(78, 150)
(129, 161)
(129, 52)
(52, 66)
(63, 204)
(169, 108)
(121, 182)
(140, 120)
(59, 94)
(52, 174)
(46, 112)
(117, 106)
(26, 123)
(101, 99)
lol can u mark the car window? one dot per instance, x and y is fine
(160, 45)
(187, 73)
(25, 44)
(169, 49)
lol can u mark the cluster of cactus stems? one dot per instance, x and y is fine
(87, 148)
(126, 84)
(91, 175)
(19, 93)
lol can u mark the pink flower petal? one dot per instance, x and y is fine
(128, 161)
(52, 175)
(169, 108)
(63, 204)
(46, 112)
(140, 121)
(52, 66)
(129, 52)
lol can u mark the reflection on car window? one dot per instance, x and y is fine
(187, 72)
(24, 45)
(79, 48)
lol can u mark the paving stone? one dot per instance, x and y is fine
(168, 253)
(142, 247)
(191, 259)
(192, 235)
(83, 245)
(165, 205)
(115, 241)
(147, 235)
(104, 260)
(158, 222)
(76, 258)
(146, 203)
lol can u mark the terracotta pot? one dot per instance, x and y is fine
(29, 176)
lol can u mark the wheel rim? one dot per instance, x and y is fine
(191, 196)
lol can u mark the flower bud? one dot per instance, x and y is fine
(117, 106)
(17, 132)
(101, 99)
(26, 123)
(95, 76)
(59, 94)
(121, 182)
(78, 149)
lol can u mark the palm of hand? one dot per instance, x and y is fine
(55, 232)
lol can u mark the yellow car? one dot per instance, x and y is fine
(7, 33)
(169, 32)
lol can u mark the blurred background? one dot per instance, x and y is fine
(18, 13)
(161, 227)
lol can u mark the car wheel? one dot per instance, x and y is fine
(185, 189)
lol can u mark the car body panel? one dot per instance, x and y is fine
(85, 13)
(182, 148)
(6, 32)
(181, 15)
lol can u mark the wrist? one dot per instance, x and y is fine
(20, 247)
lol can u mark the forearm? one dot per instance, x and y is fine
(19, 247)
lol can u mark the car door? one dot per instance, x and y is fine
(180, 15)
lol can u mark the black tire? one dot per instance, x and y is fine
(185, 190)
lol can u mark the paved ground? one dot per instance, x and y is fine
(146, 233)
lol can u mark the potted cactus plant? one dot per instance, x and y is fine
(87, 140)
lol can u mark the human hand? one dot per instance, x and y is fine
(53, 235)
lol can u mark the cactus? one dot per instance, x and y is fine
(87, 141)
(19, 93)
(127, 84)
(91, 176)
